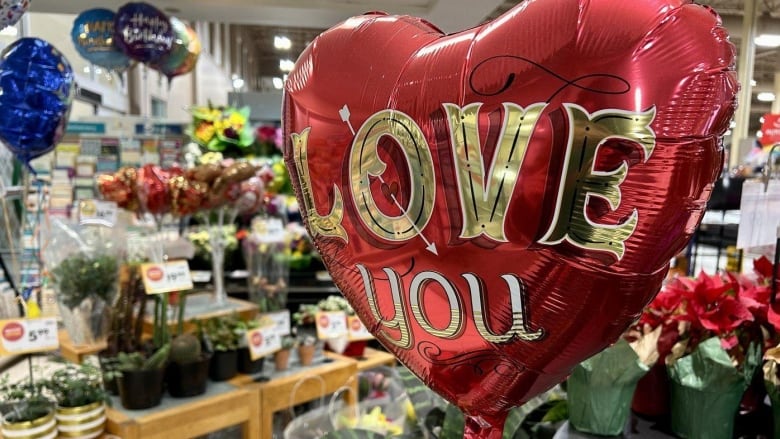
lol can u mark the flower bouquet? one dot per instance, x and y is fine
(223, 129)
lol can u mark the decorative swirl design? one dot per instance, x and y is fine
(475, 360)
(621, 86)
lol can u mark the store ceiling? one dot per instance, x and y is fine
(301, 20)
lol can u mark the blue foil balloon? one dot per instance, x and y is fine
(143, 32)
(93, 36)
(36, 89)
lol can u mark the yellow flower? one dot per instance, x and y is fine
(211, 157)
(204, 132)
(236, 120)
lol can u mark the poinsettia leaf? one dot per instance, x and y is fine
(729, 315)
(764, 267)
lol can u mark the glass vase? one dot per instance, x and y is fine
(267, 262)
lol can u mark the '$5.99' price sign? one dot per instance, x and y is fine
(24, 336)
(167, 277)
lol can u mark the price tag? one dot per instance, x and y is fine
(357, 330)
(99, 212)
(331, 324)
(263, 341)
(281, 321)
(167, 277)
(24, 336)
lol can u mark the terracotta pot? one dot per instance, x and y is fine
(282, 359)
(306, 354)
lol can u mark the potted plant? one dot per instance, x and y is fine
(140, 378)
(27, 412)
(307, 345)
(86, 287)
(81, 400)
(305, 320)
(222, 337)
(83, 261)
(188, 367)
(245, 363)
(282, 357)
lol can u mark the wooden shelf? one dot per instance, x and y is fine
(199, 308)
(221, 407)
(277, 393)
(76, 353)
(370, 359)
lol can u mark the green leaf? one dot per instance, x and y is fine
(558, 412)
(454, 423)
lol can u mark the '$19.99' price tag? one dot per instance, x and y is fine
(167, 277)
(24, 336)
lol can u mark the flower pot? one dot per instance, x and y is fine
(85, 422)
(651, 398)
(188, 379)
(306, 354)
(248, 366)
(698, 414)
(224, 365)
(355, 349)
(141, 389)
(282, 359)
(44, 427)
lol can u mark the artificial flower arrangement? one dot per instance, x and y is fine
(223, 129)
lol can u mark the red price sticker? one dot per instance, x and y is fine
(24, 336)
(331, 324)
(263, 341)
(167, 277)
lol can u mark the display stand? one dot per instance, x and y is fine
(77, 353)
(282, 390)
(200, 306)
(222, 406)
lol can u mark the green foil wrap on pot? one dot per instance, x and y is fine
(600, 390)
(706, 391)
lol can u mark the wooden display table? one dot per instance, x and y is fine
(76, 353)
(371, 358)
(283, 390)
(200, 307)
(222, 406)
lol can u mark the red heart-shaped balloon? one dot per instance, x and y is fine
(549, 164)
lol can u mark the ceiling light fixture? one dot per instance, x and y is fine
(768, 40)
(238, 83)
(766, 96)
(282, 43)
(286, 65)
(278, 83)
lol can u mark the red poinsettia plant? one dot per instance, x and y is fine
(733, 307)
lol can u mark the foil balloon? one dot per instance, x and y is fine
(143, 32)
(93, 36)
(37, 86)
(183, 54)
(11, 11)
(153, 190)
(121, 188)
(500, 204)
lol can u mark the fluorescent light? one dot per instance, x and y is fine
(238, 83)
(282, 43)
(768, 40)
(278, 83)
(766, 96)
(286, 65)
(753, 83)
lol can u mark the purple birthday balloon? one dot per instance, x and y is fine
(143, 32)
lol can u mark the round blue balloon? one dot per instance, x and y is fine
(36, 89)
(93, 36)
(143, 32)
